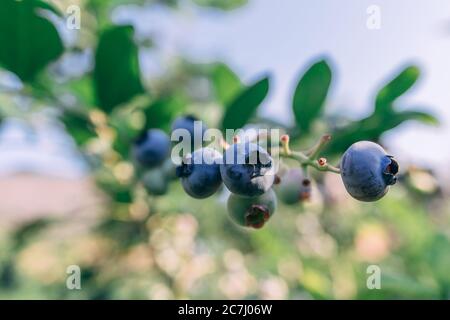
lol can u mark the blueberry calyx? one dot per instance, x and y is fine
(277, 180)
(305, 195)
(306, 182)
(141, 137)
(256, 172)
(191, 117)
(256, 216)
(183, 170)
(390, 172)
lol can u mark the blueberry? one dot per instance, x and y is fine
(367, 171)
(151, 148)
(247, 169)
(155, 182)
(188, 123)
(294, 187)
(252, 212)
(200, 173)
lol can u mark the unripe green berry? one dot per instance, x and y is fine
(252, 212)
(155, 182)
(294, 187)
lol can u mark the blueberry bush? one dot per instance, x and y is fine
(203, 227)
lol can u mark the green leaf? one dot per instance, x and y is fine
(29, 42)
(116, 73)
(373, 127)
(221, 4)
(83, 90)
(310, 94)
(244, 106)
(225, 82)
(47, 6)
(420, 116)
(78, 126)
(161, 112)
(395, 88)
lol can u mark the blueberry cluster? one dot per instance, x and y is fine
(247, 171)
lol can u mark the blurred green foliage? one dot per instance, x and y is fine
(225, 82)
(177, 247)
(117, 72)
(244, 106)
(29, 40)
(310, 94)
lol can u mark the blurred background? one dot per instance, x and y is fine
(80, 79)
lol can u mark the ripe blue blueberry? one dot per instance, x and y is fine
(188, 123)
(367, 171)
(151, 148)
(294, 187)
(200, 173)
(247, 169)
(155, 182)
(252, 212)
